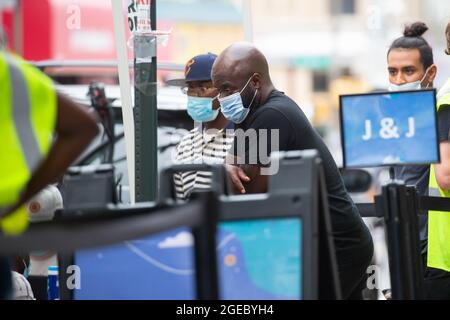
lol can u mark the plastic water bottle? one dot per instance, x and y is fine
(53, 283)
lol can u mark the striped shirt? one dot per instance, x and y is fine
(200, 147)
(22, 288)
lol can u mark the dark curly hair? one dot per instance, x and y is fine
(447, 35)
(412, 39)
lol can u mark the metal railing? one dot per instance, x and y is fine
(400, 207)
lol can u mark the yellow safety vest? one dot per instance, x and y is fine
(28, 110)
(439, 222)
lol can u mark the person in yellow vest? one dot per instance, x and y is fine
(42, 133)
(437, 278)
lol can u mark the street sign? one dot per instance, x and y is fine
(139, 16)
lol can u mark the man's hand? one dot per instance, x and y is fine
(237, 177)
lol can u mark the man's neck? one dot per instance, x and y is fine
(265, 93)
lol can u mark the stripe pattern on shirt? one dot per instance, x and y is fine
(196, 148)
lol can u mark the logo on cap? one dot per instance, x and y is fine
(188, 67)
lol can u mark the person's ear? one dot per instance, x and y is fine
(432, 72)
(256, 81)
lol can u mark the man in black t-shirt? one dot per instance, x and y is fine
(249, 99)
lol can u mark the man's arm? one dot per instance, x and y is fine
(248, 177)
(75, 129)
(442, 170)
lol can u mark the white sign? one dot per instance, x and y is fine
(388, 129)
(139, 16)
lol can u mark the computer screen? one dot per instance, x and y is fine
(260, 260)
(160, 267)
(257, 259)
(389, 128)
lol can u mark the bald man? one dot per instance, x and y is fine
(249, 99)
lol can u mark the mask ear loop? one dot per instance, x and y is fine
(424, 77)
(218, 100)
(251, 103)
(25, 270)
(248, 82)
(256, 92)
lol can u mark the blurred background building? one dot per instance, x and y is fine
(316, 49)
(320, 49)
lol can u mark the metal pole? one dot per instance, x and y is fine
(125, 91)
(206, 273)
(146, 115)
(329, 283)
(413, 238)
(400, 206)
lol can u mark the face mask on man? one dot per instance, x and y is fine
(416, 85)
(27, 269)
(233, 108)
(201, 109)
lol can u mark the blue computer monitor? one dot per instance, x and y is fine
(257, 259)
(156, 267)
(260, 259)
(389, 128)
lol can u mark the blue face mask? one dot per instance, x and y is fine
(27, 269)
(233, 108)
(201, 109)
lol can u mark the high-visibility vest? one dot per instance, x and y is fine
(444, 90)
(439, 222)
(28, 111)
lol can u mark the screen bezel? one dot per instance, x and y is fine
(307, 237)
(306, 253)
(378, 165)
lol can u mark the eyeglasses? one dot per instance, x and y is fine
(195, 91)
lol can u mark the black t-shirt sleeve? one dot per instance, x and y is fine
(444, 123)
(270, 131)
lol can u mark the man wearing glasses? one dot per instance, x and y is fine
(210, 139)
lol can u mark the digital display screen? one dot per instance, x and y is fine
(260, 260)
(390, 128)
(257, 259)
